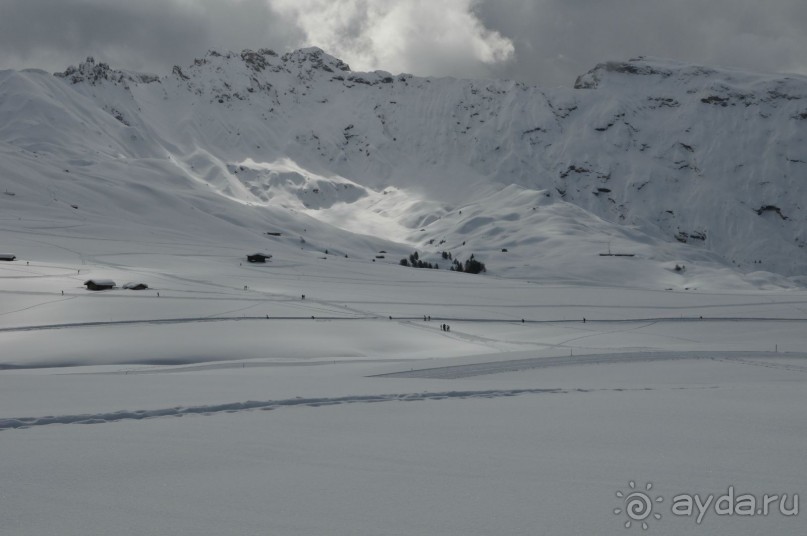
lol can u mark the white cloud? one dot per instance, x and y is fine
(426, 37)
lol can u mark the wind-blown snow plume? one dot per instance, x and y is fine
(420, 36)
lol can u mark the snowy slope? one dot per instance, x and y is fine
(235, 398)
(673, 163)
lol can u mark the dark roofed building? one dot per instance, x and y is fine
(99, 284)
(7, 257)
(135, 286)
(258, 257)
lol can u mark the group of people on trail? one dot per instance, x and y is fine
(428, 318)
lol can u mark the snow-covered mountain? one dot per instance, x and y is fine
(542, 386)
(677, 165)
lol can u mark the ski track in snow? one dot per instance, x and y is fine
(178, 411)
(451, 372)
(515, 365)
(176, 321)
(211, 318)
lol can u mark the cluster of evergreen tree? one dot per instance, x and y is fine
(415, 262)
(470, 266)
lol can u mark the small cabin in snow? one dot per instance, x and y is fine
(99, 284)
(7, 257)
(135, 286)
(258, 257)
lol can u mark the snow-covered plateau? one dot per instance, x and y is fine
(641, 320)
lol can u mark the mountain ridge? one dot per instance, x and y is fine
(677, 162)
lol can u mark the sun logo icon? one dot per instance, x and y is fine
(638, 505)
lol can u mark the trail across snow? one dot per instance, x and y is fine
(99, 418)
(190, 320)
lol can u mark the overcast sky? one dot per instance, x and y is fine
(544, 42)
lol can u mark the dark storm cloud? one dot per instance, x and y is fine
(147, 35)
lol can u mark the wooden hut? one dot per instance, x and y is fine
(7, 257)
(135, 286)
(99, 284)
(258, 257)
